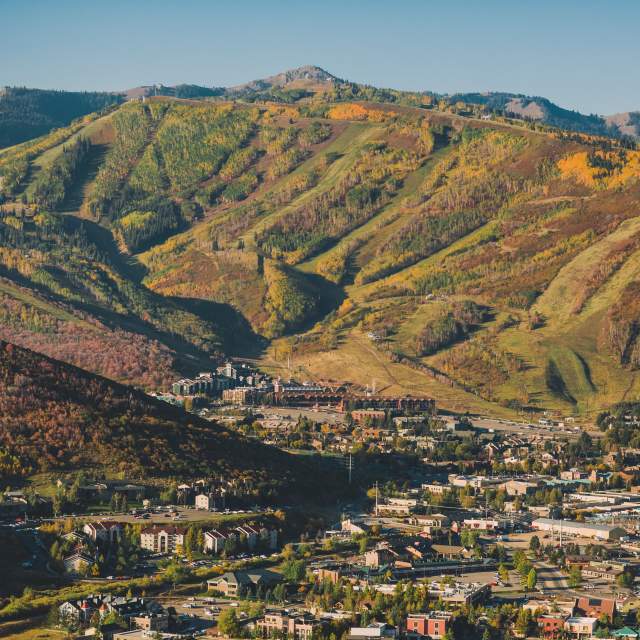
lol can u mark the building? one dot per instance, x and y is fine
(82, 610)
(379, 557)
(580, 529)
(483, 524)
(551, 626)
(435, 488)
(157, 621)
(162, 539)
(521, 487)
(595, 607)
(205, 501)
(431, 523)
(281, 624)
(103, 531)
(433, 624)
(580, 628)
(373, 631)
(371, 416)
(77, 564)
(214, 541)
(354, 527)
(243, 395)
(237, 583)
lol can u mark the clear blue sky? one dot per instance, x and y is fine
(582, 54)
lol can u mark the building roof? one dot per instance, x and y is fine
(168, 529)
(589, 526)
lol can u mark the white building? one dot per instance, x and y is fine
(580, 529)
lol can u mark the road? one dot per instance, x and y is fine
(550, 577)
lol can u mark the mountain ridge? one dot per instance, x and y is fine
(305, 80)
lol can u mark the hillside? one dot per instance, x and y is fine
(54, 417)
(28, 113)
(490, 263)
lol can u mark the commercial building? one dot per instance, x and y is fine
(433, 624)
(580, 529)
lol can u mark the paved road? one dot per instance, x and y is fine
(550, 577)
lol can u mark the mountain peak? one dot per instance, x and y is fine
(304, 75)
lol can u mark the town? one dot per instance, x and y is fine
(449, 524)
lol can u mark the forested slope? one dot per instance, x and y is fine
(28, 113)
(54, 417)
(491, 264)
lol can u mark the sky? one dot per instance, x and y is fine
(582, 54)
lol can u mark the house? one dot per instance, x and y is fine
(551, 626)
(237, 583)
(433, 624)
(450, 551)
(77, 564)
(595, 607)
(579, 627)
(162, 539)
(282, 624)
(105, 531)
(373, 631)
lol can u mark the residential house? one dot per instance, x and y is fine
(595, 607)
(580, 627)
(551, 626)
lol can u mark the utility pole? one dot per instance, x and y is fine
(350, 466)
(376, 498)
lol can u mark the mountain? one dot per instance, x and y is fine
(28, 113)
(364, 235)
(55, 417)
(539, 109)
(627, 124)
(308, 76)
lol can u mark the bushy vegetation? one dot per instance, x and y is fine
(451, 325)
(290, 299)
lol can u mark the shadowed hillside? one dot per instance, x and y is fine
(55, 417)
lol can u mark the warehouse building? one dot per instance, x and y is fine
(580, 529)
